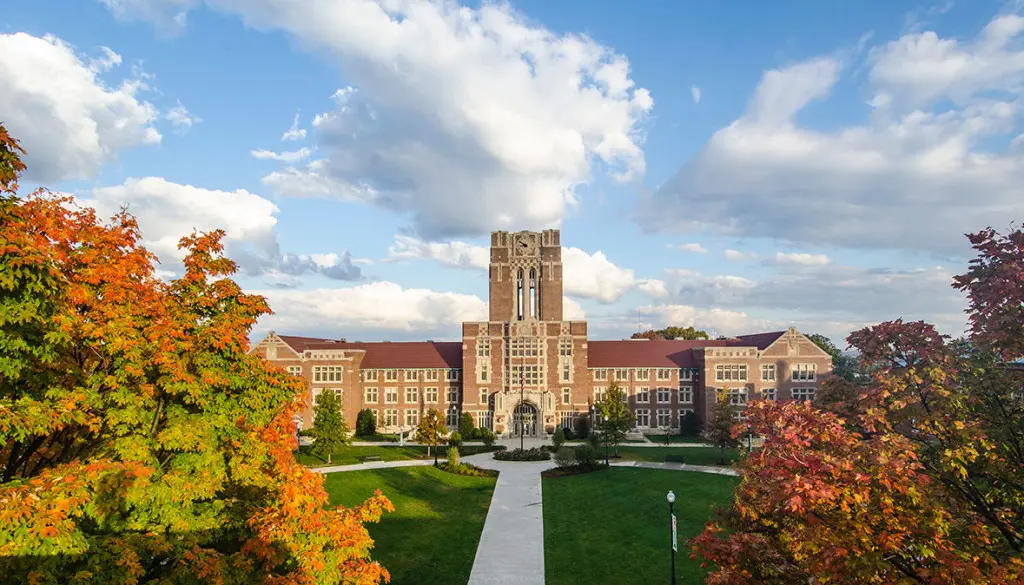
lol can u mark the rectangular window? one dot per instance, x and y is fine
(767, 372)
(531, 375)
(664, 417)
(327, 373)
(565, 347)
(390, 418)
(768, 394)
(484, 396)
(566, 372)
(643, 394)
(738, 396)
(566, 395)
(803, 394)
(391, 396)
(682, 414)
(686, 394)
(412, 395)
(483, 347)
(295, 370)
(525, 347)
(430, 375)
(686, 375)
(484, 419)
(599, 393)
(567, 420)
(664, 374)
(642, 374)
(804, 372)
(369, 375)
(430, 395)
(621, 374)
(600, 374)
(412, 418)
(643, 417)
(664, 395)
(452, 375)
(412, 375)
(451, 419)
(390, 375)
(453, 395)
(731, 373)
(370, 395)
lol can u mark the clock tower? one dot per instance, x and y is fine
(526, 276)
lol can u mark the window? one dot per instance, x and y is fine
(566, 372)
(390, 418)
(768, 372)
(567, 420)
(686, 375)
(599, 393)
(482, 370)
(530, 375)
(412, 395)
(621, 374)
(731, 373)
(565, 347)
(768, 394)
(451, 419)
(566, 395)
(664, 374)
(430, 375)
(738, 396)
(369, 375)
(664, 417)
(525, 347)
(643, 394)
(483, 419)
(686, 394)
(390, 395)
(412, 375)
(430, 395)
(370, 395)
(664, 395)
(484, 396)
(295, 370)
(642, 374)
(643, 417)
(452, 375)
(337, 392)
(412, 418)
(327, 373)
(682, 414)
(483, 347)
(600, 374)
(804, 372)
(390, 375)
(453, 395)
(803, 393)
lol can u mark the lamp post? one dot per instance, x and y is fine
(672, 517)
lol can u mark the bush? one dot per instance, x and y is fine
(466, 425)
(569, 434)
(690, 426)
(487, 436)
(582, 427)
(453, 456)
(467, 469)
(565, 457)
(474, 435)
(455, 440)
(366, 423)
(558, 439)
(594, 440)
(522, 455)
(586, 455)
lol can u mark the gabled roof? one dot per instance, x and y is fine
(759, 340)
(654, 353)
(298, 343)
(402, 354)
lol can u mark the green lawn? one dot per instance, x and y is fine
(612, 526)
(691, 455)
(673, 439)
(353, 453)
(432, 535)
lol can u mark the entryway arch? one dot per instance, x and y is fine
(525, 416)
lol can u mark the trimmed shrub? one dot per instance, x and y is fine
(558, 439)
(473, 435)
(565, 457)
(594, 440)
(522, 455)
(569, 434)
(582, 427)
(586, 455)
(455, 440)
(453, 457)
(466, 425)
(366, 423)
(487, 436)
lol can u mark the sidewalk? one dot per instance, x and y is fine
(375, 465)
(677, 467)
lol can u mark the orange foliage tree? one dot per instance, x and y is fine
(140, 442)
(913, 476)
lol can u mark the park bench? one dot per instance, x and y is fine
(368, 458)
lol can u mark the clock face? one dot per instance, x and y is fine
(525, 246)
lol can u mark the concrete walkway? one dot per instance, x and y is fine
(677, 467)
(375, 465)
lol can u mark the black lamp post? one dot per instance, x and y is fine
(672, 532)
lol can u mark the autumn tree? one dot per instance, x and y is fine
(671, 332)
(719, 430)
(916, 476)
(330, 431)
(616, 418)
(431, 431)
(139, 441)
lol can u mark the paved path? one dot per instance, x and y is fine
(677, 467)
(374, 465)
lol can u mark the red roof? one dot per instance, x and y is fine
(760, 340)
(654, 353)
(299, 343)
(402, 354)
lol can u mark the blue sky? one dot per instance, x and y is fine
(739, 166)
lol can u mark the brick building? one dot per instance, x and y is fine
(527, 366)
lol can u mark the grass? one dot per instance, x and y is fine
(354, 453)
(612, 526)
(690, 455)
(660, 439)
(432, 536)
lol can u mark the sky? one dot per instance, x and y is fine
(736, 166)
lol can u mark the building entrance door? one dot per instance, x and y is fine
(524, 419)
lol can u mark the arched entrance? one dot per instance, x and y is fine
(524, 419)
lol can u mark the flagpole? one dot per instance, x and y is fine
(522, 403)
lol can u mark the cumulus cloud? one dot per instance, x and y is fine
(691, 247)
(736, 255)
(294, 132)
(286, 157)
(181, 119)
(802, 259)
(456, 254)
(465, 119)
(924, 168)
(167, 211)
(66, 117)
(716, 322)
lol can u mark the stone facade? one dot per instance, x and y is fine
(527, 367)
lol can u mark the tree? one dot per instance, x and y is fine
(690, 425)
(915, 476)
(672, 332)
(616, 417)
(843, 366)
(719, 431)
(466, 425)
(330, 432)
(431, 430)
(366, 423)
(139, 441)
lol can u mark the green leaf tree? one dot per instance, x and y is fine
(719, 430)
(431, 431)
(466, 426)
(617, 418)
(672, 332)
(366, 423)
(330, 431)
(843, 366)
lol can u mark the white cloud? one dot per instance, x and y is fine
(691, 247)
(652, 287)
(168, 211)
(68, 119)
(181, 119)
(695, 94)
(925, 167)
(572, 310)
(802, 259)
(294, 132)
(287, 157)
(736, 255)
(715, 322)
(457, 254)
(168, 16)
(465, 120)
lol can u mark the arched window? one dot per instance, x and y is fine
(533, 293)
(519, 295)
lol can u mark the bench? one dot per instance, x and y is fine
(369, 458)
